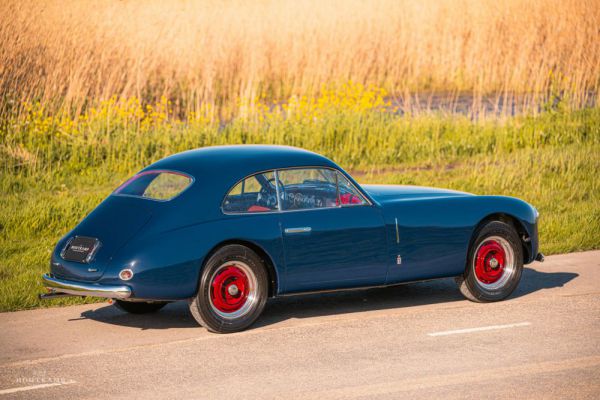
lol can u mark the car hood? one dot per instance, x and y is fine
(384, 193)
(114, 222)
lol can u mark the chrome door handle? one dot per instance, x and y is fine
(303, 229)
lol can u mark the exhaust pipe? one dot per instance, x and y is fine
(539, 257)
(53, 295)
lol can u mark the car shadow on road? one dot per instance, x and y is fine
(533, 281)
(172, 316)
(401, 296)
(176, 315)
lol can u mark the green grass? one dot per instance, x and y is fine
(54, 169)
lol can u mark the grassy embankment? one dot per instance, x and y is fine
(64, 146)
(55, 169)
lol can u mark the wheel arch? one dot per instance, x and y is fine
(509, 219)
(266, 258)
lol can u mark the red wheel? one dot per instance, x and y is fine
(229, 289)
(494, 262)
(489, 262)
(494, 265)
(232, 290)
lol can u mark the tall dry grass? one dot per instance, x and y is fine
(227, 55)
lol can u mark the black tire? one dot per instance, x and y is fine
(231, 259)
(139, 307)
(471, 283)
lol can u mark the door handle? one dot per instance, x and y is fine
(303, 229)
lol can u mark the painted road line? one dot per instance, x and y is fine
(479, 329)
(34, 387)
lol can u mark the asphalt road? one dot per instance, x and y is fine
(418, 340)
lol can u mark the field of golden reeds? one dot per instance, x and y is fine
(222, 57)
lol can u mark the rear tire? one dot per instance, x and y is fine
(233, 290)
(135, 307)
(494, 265)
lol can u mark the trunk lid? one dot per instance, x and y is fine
(112, 224)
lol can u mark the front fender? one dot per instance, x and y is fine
(522, 212)
(433, 234)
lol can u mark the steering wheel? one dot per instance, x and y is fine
(282, 193)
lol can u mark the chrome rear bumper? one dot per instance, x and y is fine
(62, 287)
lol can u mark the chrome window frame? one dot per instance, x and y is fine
(242, 180)
(367, 203)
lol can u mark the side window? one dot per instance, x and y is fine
(307, 188)
(254, 194)
(349, 195)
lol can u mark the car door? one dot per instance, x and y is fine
(332, 236)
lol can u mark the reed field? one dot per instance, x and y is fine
(223, 57)
(91, 92)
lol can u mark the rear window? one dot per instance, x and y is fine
(156, 185)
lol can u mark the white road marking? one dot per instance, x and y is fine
(479, 329)
(34, 387)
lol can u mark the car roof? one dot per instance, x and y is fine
(237, 161)
(217, 169)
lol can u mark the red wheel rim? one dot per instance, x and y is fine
(229, 289)
(490, 262)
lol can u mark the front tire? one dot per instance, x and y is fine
(233, 290)
(494, 265)
(138, 307)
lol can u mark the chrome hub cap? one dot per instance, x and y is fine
(233, 290)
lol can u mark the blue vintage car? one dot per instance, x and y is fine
(227, 227)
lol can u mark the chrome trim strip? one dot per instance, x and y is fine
(303, 229)
(397, 233)
(92, 254)
(63, 286)
(64, 249)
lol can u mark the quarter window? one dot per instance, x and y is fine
(252, 195)
(349, 195)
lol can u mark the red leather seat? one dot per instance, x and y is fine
(256, 208)
(349, 198)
